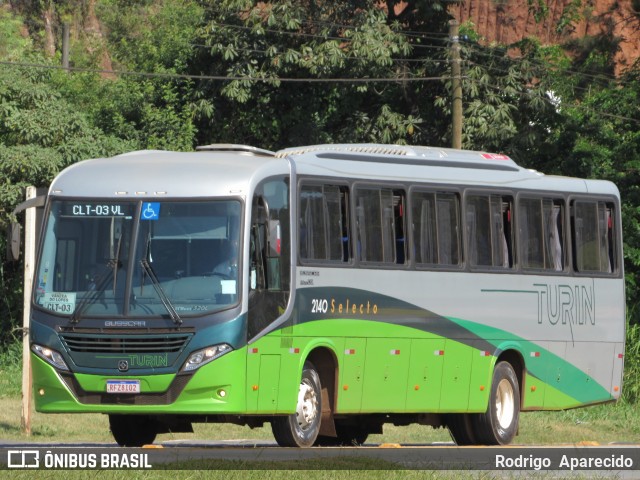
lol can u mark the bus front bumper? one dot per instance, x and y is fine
(215, 388)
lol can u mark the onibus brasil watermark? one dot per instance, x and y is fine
(34, 459)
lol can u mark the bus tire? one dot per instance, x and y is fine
(301, 429)
(133, 430)
(461, 428)
(499, 424)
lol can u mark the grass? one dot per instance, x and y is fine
(601, 424)
(266, 474)
(11, 370)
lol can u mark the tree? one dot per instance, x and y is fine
(293, 70)
(600, 138)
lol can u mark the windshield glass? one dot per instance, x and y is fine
(184, 260)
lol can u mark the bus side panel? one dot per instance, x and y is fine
(387, 367)
(596, 362)
(533, 392)
(263, 375)
(618, 370)
(570, 369)
(269, 383)
(352, 372)
(456, 374)
(481, 377)
(425, 375)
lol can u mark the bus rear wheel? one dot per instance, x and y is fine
(499, 424)
(133, 430)
(301, 428)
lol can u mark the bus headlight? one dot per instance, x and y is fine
(50, 356)
(204, 356)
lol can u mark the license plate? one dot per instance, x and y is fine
(123, 386)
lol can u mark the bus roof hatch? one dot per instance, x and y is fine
(231, 147)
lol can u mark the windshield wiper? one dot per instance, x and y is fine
(112, 265)
(164, 299)
(76, 316)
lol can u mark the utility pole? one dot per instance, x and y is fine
(30, 226)
(456, 108)
(65, 46)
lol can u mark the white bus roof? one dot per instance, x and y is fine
(404, 164)
(232, 170)
(152, 173)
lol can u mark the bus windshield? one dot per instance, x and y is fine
(182, 261)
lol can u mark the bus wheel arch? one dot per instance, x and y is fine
(300, 429)
(326, 363)
(499, 424)
(516, 360)
(315, 403)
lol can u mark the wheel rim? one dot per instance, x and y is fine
(505, 404)
(307, 408)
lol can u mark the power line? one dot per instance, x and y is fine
(184, 76)
(346, 57)
(323, 37)
(408, 33)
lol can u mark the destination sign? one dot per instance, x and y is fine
(98, 210)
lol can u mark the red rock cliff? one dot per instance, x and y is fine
(506, 22)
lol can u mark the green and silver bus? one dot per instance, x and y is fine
(326, 290)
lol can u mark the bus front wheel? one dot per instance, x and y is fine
(133, 430)
(499, 424)
(301, 428)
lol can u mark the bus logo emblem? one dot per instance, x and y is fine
(123, 365)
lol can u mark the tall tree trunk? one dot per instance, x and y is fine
(48, 15)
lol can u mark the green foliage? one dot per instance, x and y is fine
(50, 119)
(151, 36)
(539, 9)
(572, 13)
(599, 138)
(554, 112)
(11, 368)
(257, 45)
(41, 132)
(631, 381)
(507, 107)
(12, 43)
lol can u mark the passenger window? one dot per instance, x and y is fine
(541, 233)
(380, 225)
(592, 224)
(436, 233)
(489, 230)
(324, 223)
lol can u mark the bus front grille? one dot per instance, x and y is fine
(124, 343)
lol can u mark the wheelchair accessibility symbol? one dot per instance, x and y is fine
(150, 211)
